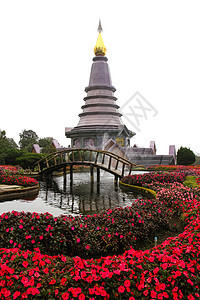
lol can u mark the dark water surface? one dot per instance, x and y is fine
(82, 199)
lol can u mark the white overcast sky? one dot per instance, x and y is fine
(153, 47)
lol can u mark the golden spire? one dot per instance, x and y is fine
(100, 48)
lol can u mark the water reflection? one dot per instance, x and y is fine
(84, 197)
(57, 197)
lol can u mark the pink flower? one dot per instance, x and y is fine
(65, 296)
(190, 282)
(52, 281)
(37, 274)
(63, 281)
(32, 291)
(153, 294)
(16, 294)
(121, 289)
(78, 240)
(81, 297)
(46, 270)
(25, 264)
(127, 283)
(25, 281)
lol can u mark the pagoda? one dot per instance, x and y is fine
(100, 119)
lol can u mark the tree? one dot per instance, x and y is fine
(12, 155)
(6, 145)
(2, 134)
(185, 156)
(27, 139)
(46, 145)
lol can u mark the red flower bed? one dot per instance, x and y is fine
(163, 177)
(168, 271)
(178, 168)
(112, 231)
(8, 176)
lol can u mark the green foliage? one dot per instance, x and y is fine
(27, 139)
(28, 160)
(12, 155)
(46, 145)
(185, 156)
(2, 134)
(191, 181)
(6, 145)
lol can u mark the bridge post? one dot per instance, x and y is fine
(92, 174)
(116, 179)
(98, 175)
(64, 176)
(71, 175)
(123, 167)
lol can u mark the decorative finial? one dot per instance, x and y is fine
(99, 27)
(100, 48)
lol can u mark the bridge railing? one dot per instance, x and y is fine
(103, 159)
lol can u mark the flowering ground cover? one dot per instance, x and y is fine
(168, 271)
(110, 232)
(9, 175)
(173, 168)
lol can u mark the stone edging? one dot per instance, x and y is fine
(11, 194)
(135, 188)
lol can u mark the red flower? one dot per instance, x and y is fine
(53, 281)
(81, 297)
(16, 294)
(153, 294)
(121, 289)
(65, 296)
(63, 281)
(127, 283)
(25, 264)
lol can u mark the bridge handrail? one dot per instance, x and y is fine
(113, 155)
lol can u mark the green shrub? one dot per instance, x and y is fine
(191, 181)
(185, 156)
(11, 156)
(28, 160)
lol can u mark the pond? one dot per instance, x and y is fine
(83, 198)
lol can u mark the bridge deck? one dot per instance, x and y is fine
(104, 160)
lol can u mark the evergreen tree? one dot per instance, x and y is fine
(185, 156)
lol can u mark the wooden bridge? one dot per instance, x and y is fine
(107, 161)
